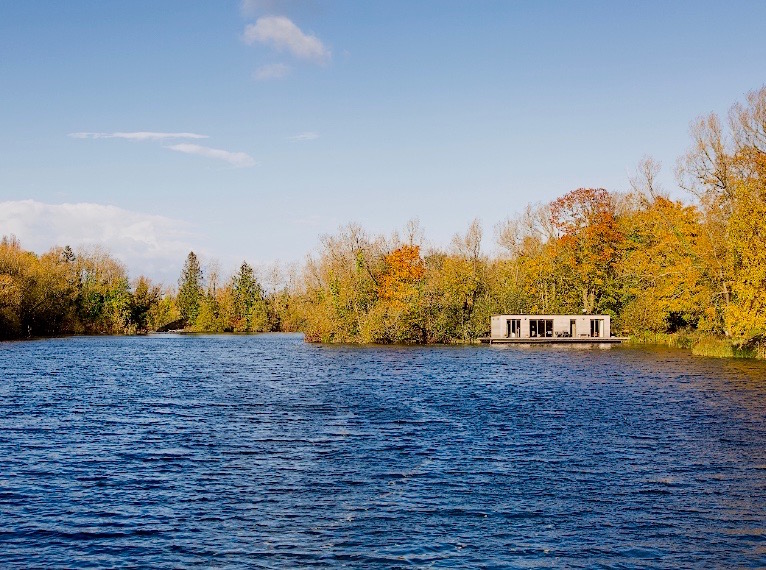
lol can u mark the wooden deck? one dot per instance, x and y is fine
(555, 340)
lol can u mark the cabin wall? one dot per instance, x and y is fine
(562, 325)
(497, 328)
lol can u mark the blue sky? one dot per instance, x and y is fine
(318, 113)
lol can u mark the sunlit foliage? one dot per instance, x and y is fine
(656, 265)
(63, 292)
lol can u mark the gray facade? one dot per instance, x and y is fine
(550, 326)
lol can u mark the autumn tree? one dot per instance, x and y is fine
(398, 313)
(341, 285)
(746, 227)
(663, 283)
(61, 292)
(103, 296)
(164, 312)
(586, 245)
(524, 277)
(456, 289)
(14, 264)
(724, 169)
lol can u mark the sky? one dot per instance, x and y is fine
(245, 130)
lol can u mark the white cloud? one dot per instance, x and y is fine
(307, 136)
(271, 71)
(238, 159)
(148, 244)
(138, 136)
(282, 34)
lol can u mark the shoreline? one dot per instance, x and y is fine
(711, 346)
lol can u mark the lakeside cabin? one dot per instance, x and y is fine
(551, 329)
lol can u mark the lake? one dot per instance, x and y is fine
(265, 452)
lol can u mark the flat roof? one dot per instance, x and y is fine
(548, 315)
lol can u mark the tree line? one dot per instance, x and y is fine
(88, 292)
(656, 265)
(61, 292)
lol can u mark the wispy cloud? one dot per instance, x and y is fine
(282, 34)
(313, 220)
(255, 7)
(238, 159)
(307, 136)
(138, 136)
(147, 243)
(271, 71)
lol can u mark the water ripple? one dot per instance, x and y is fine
(265, 452)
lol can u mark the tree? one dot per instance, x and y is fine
(145, 296)
(398, 311)
(726, 171)
(14, 263)
(662, 277)
(190, 289)
(746, 317)
(587, 243)
(250, 314)
(456, 289)
(341, 286)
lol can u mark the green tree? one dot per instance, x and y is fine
(190, 289)
(145, 296)
(250, 312)
(103, 291)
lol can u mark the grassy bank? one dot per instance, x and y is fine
(706, 345)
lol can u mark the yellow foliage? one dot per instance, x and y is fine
(746, 315)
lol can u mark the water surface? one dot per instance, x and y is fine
(263, 451)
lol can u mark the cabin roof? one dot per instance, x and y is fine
(544, 315)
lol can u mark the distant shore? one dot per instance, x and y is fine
(699, 345)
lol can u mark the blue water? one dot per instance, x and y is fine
(265, 452)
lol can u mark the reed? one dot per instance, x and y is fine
(722, 348)
(705, 344)
(676, 340)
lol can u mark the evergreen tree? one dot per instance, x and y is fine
(190, 289)
(249, 305)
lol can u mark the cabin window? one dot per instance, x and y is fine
(540, 327)
(596, 327)
(513, 328)
(572, 328)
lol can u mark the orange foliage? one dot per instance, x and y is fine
(588, 240)
(581, 208)
(586, 217)
(404, 268)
